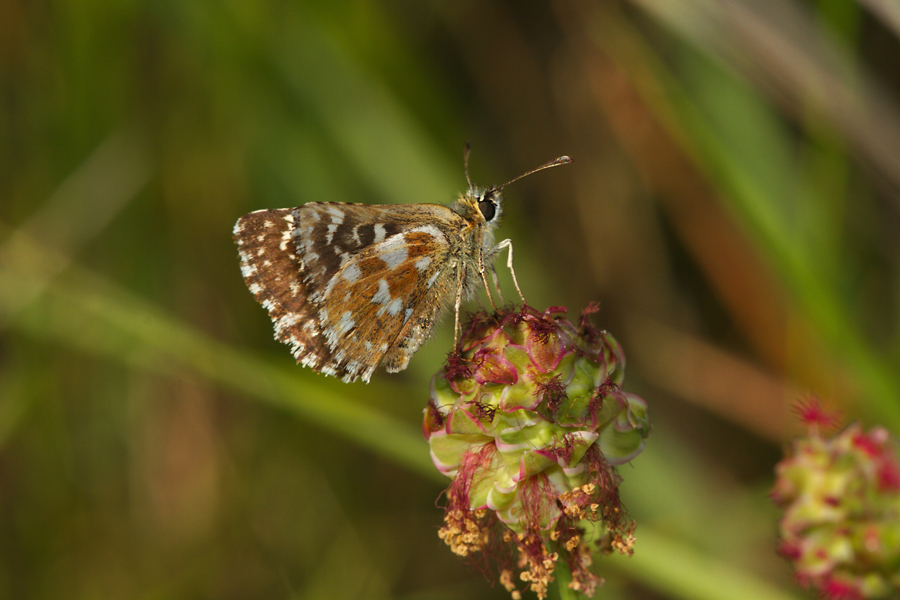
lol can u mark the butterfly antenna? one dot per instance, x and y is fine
(466, 153)
(561, 160)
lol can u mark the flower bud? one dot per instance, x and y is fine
(529, 420)
(841, 502)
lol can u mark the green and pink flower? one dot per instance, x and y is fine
(841, 502)
(529, 419)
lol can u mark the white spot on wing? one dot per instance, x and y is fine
(345, 324)
(392, 308)
(285, 238)
(248, 270)
(286, 320)
(380, 232)
(423, 263)
(396, 256)
(383, 295)
(331, 229)
(337, 215)
(433, 232)
(352, 273)
(329, 286)
(353, 368)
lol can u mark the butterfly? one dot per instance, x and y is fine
(352, 286)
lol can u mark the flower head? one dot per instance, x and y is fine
(529, 420)
(841, 502)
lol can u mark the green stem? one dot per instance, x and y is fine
(563, 578)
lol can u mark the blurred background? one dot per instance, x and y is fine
(733, 206)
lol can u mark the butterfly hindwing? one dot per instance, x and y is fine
(383, 296)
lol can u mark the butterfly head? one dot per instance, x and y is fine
(488, 202)
(484, 204)
(489, 205)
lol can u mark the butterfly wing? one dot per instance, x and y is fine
(376, 276)
(272, 270)
(384, 300)
(353, 284)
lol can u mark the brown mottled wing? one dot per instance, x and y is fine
(348, 285)
(384, 300)
(272, 271)
(370, 270)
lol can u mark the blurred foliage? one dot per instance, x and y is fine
(733, 205)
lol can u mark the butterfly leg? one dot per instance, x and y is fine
(497, 285)
(507, 243)
(487, 288)
(459, 290)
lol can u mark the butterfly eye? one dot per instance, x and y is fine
(488, 208)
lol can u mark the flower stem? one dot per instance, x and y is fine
(563, 578)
